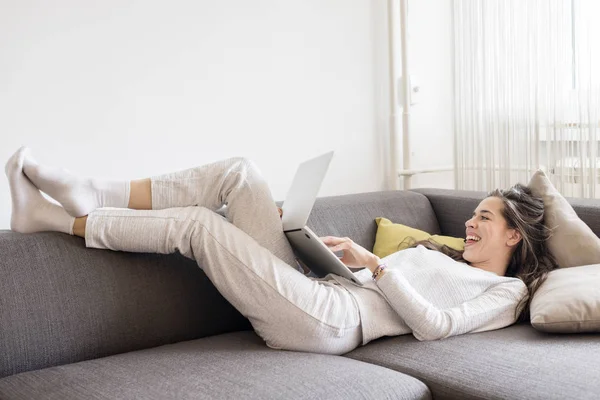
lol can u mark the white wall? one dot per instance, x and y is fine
(129, 89)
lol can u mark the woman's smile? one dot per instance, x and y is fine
(472, 239)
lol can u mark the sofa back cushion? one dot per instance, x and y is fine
(354, 215)
(61, 302)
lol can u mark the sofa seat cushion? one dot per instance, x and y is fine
(517, 362)
(234, 365)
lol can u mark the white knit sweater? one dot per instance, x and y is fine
(428, 294)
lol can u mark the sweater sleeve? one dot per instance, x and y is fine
(492, 309)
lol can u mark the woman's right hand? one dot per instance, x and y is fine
(354, 255)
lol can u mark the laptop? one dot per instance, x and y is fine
(296, 210)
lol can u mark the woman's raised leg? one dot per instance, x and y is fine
(235, 183)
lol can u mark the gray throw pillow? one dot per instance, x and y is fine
(573, 243)
(568, 301)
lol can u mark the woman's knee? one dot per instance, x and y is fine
(246, 168)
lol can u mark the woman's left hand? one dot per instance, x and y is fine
(354, 255)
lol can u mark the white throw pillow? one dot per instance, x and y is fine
(568, 301)
(573, 243)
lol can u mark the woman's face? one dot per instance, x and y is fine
(489, 240)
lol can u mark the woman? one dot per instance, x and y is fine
(249, 260)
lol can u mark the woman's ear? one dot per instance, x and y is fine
(514, 237)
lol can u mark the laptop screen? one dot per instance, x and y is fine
(303, 191)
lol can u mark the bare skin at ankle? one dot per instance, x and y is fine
(79, 226)
(140, 194)
(140, 198)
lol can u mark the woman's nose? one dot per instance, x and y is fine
(470, 223)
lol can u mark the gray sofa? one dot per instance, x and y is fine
(79, 323)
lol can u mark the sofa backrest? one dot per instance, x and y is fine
(62, 303)
(354, 215)
(453, 207)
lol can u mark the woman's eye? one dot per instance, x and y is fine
(482, 217)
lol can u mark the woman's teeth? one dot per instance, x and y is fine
(474, 238)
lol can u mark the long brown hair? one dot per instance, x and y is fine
(531, 260)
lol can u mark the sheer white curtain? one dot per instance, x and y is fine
(527, 93)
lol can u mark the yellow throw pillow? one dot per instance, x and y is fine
(393, 237)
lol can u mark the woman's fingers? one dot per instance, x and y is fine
(341, 246)
(333, 240)
(337, 244)
(329, 240)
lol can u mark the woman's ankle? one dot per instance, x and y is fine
(79, 226)
(140, 194)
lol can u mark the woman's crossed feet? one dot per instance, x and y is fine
(79, 196)
(31, 212)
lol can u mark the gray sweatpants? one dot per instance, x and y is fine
(246, 256)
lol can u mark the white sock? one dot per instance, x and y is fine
(31, 212)
(79, 196)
